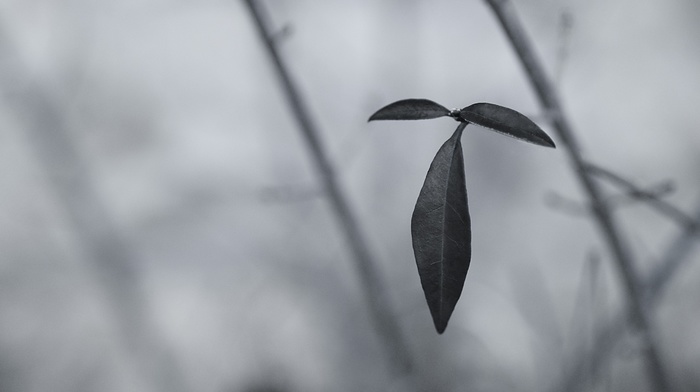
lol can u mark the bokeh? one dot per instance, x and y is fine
(164, 228)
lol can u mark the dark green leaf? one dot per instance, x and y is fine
(441, 231)
(506, 121)
(410, 109)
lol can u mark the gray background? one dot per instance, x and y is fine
(190, 147)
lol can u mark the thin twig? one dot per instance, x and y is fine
(589, 363)
(652, 199)
(610, 231)
(630, 198)
(676, 255)
(566, 205)
(382, 313)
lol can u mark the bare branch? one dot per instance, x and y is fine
(575, 208)
(588, 363)
(652, 199)
(606, 339)
(381, 311)
(676, 256)
(566, 24)
(566, 205)
(629, 198)
(608, 226)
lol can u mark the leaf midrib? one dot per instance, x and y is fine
(444, 221)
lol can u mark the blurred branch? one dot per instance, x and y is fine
(676, 256)
(651, 198)
(566, 24)
(611, 233)
(585, 316)
(381, 311)
(566, 205)
(109, 255)
(574, 208)
(628, 198)
(589, 363)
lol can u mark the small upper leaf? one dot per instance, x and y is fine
(441, 231)
(410, 109)
(506, 121)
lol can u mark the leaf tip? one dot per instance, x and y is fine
(544, 139)
(549, 143)
(440, 327)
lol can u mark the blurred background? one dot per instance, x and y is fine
(163, 228)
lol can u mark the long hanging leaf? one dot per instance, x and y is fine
(410, 109)
(506, 121)
(441, 231)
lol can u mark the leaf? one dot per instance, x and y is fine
(410, 109)
(506, 121)
(441, 231)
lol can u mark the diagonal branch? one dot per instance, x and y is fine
(611, 233)
(607, 337)
(652, 199)
(676, 256)
(381, 311)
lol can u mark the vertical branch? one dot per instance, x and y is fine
(109, 255)
(601, 212)
(378, 302)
